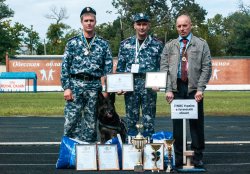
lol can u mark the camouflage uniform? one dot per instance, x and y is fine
(85, 92)
(149, 61)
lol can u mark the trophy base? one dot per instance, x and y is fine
(169, 170)
(155, 170)
(188, 167)
(138, 168)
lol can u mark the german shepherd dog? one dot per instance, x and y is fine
(110, 124)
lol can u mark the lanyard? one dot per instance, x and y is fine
(138, 49)
(88, 45)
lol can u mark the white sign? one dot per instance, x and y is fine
(130, 157)
(108, 157)
(86, 157)
(12, 85)
(120, 82)
(156, 79)
(184, 109)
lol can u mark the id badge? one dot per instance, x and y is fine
(135, 68)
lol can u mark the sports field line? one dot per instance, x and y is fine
(217, 164)
(58, 143)
(27, 164)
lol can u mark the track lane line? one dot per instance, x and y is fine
(58, 143)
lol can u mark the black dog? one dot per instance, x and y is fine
(110, 124)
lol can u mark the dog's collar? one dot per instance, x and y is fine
(110, 127)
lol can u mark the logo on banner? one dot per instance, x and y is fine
(44, 74)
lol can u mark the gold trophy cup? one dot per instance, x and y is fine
(168, 145)
(155, 147)
(139, 142)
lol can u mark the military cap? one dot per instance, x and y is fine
(88, 10)
(141, 17)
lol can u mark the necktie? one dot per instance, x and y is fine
(184, 62)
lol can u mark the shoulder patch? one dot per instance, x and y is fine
(74, 37)
(126, 40)
(157, 39)
(102, 39)
(129, 38)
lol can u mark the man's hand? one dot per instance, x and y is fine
(156, 89)
(68, 95)
(198, 96)
(105, 94)
(169, 97)
(121, 92)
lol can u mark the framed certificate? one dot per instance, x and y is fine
(108, 157)
(120, 82)
(154, 156)
(184, 109)
(86, 157)
(156, 79)
(130, 157)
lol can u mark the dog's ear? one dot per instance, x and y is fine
(100, 98)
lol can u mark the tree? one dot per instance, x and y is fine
(10, 38)
(244, 8)
(31, 39)
(15, 38)
(58, 16)
(111, 32)
(162, 14)
(5, 11)
(189, 7)
(56, 38)
(56, 31)
(217, 35)
(157, 11)
(238, 25)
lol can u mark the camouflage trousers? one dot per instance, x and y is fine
(144, 99)
(80, 115)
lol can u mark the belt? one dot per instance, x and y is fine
(140, 75)
(85, 77)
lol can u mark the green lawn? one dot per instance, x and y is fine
(217, 103)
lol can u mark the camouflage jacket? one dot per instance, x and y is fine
(97, 63)
(148, 56)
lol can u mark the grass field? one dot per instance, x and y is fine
(217, 103)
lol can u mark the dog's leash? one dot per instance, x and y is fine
(110, 127)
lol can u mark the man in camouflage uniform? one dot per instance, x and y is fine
(86, 59)
(140, 54)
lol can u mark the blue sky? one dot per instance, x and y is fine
(32, 12)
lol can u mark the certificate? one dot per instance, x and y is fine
(108, 157)
(120, 82)
(156, 79)
(184, 109)
(86, 157)
(150, 161)
(130, 157)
